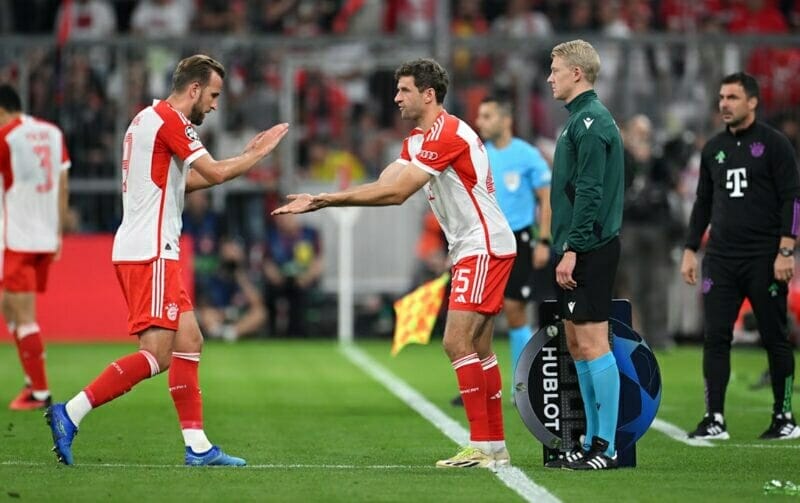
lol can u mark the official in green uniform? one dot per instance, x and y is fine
(586, 198)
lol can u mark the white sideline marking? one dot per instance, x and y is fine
(678, 434)
(511, 476)
(258, 467)
(762, 446)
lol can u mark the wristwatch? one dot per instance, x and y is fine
(545, 241)
(786, 252)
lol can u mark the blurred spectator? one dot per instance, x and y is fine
(580, 19)
(157, 19)
(689, 16)
(328, 163)
(322, 104)
(468, 20)
(272, 14)
(788, 123)
(520, 20)
(650, 231)
(292, 268)
(88, 121)
(232, 307)
(610, 23)
(646, 66)
(359, 17)
(757, 16)
(206, 228)
(410, 17)
(162, 18)
(306, 19)
(88, 20)
(221, 16)
(777, 70)
(85, 20)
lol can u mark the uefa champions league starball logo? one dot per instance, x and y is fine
(707, 284)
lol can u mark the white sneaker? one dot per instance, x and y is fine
(468, 457)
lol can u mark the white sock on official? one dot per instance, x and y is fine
(196, 440)
(78, 407)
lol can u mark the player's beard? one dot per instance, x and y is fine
(735, 121)
(197, 114)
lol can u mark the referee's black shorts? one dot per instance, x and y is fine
(520, 283)
(595, 272)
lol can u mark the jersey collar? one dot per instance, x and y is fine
(581, 100)
(742, 132)
(418, 130)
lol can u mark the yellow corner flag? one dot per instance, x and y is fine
(416, 313)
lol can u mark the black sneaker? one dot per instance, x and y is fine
(457, 401)
(596, 458)
(712, 427)
(783, 427)
(565, 458)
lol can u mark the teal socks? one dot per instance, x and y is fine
(605, 380)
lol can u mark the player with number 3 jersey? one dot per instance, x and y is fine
(33, 164)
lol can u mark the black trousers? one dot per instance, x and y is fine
(726, 283)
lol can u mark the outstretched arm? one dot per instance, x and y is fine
(207, 171)
(396, 184)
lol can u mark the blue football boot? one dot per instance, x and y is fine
(63, 430)
(213, 457)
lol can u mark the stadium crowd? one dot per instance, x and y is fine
(347, 129)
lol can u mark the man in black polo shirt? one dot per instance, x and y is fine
(749, 190)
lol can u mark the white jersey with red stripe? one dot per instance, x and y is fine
(158, 149)
(32, 156)
(461, 192)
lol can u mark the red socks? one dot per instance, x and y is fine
(122, 375)
(494, 397)
(184, 386)
(31, 355)
(472, 385)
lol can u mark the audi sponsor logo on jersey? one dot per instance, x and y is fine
(427, 155)
(191, 133)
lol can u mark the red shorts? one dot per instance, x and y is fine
(154, 293)
(478, 283)
(25, 272)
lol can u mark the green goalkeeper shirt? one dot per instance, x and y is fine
(588, 177)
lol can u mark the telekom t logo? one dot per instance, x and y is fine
(736, 181)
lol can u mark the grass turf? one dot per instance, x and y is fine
(314, 427)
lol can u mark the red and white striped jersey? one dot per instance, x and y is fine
(461, 192)
(157, 151)
(32, 156)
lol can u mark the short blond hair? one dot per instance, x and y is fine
(581, 54)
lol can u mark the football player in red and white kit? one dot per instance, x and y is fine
(163, 158)
(444, 155)
(33, 164)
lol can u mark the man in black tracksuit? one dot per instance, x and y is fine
(749, 190)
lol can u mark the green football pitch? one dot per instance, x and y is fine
(315, 426)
